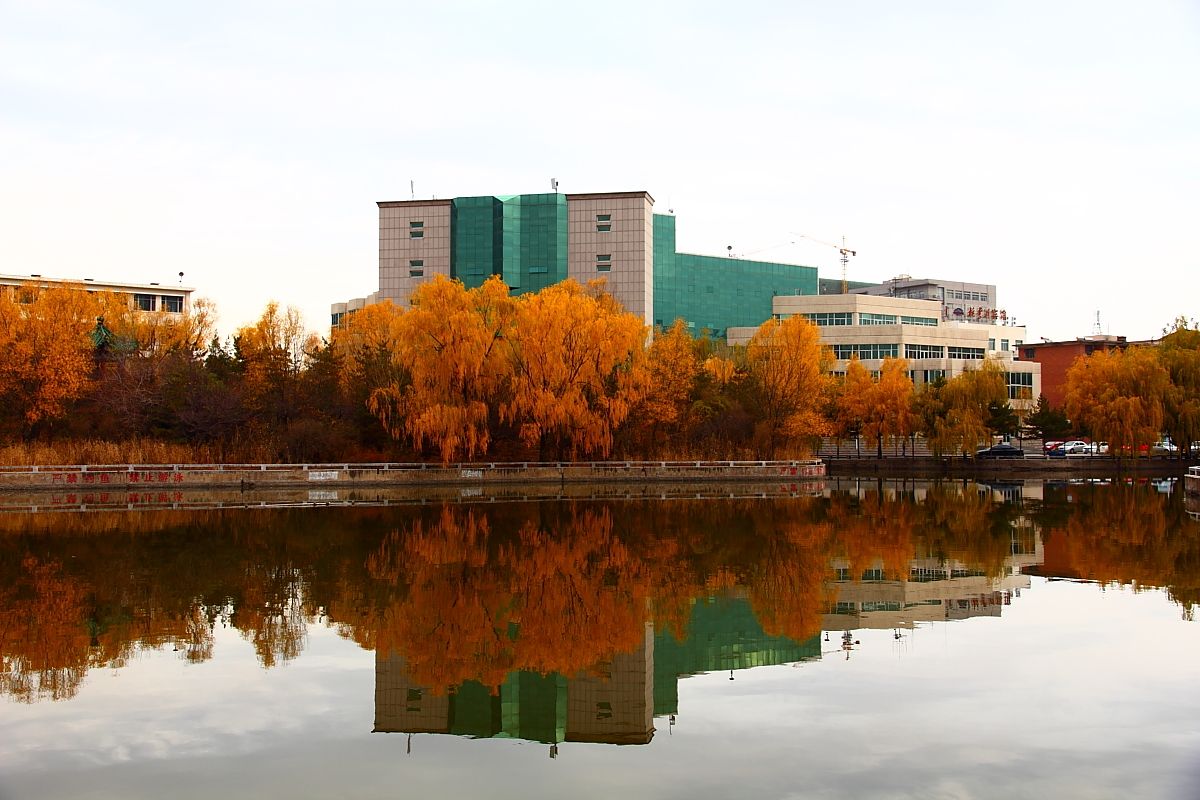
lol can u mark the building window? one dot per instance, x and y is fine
(171, 304)
(416, 230)
(1020, 386)
(604, 262)
(538, 270)
(991, 344)
(1004, 345)
(603, 227)
(929, 321)
(416, 262)
(830, 319)
(416, 273)
(144, 302)
(866, 351)
(876, 319)
(604, 218)
(416, 224)
(924, 351)
(604, 268)
(969, 353)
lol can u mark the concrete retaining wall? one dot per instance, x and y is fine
(158, 478)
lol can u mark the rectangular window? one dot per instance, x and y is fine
(930, 321)
(924, 351)
(172, 304)
(970, 353)
(144, 302)
(603, 227)
(416, 273)
(416, 224)
(866, 351)
(991, 344)
(830, 319)
(1020, 386)
(416, 233)
(604, 268)
(876, 319)
(538, 270)
(604, 258)
(1004, 345)
(604, 218)
(416, 262)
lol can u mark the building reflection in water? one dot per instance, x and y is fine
(618, 701)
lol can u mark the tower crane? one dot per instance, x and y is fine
(841, 248)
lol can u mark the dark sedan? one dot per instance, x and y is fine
(1002, 450)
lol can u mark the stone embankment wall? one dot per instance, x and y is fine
(158, 478)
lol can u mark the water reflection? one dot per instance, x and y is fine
(561, 621)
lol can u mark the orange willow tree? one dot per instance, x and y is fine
(1118, 396)
(579, 367)
(673, 368)
(850, 400)
(888, 407)
(953, 415)
(45, 353)
(788, 371)
(48, 356)
(449, 346)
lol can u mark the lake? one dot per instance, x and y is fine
(881, 639)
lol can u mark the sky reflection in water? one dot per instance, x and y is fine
(1063, 689)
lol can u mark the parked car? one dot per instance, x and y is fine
(1050, 445)
(1002, 450)
(1098, 448)
(1163, 448)
(1075, 447)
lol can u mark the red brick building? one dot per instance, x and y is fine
(1057, 357)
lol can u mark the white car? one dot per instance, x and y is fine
(1075, 447)
(1163, 448)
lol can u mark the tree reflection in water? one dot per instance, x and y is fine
(477, 593)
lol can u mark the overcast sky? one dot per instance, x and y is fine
(1050, 148)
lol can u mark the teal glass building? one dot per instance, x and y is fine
(536, 240)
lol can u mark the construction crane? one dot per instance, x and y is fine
(841, 248)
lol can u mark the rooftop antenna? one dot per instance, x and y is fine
(412, 189)
(554, 185)
(1096, 329)
(181, 277)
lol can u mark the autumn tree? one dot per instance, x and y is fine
(887, 410)
(954, 415)
(850, 398)
(451, 347)
(1179, 352)
(274, 351)
(579, 368)
(45, 353)
(672, 370)
(788, 373)
(1118, 396)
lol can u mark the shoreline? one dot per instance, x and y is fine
(153, 478)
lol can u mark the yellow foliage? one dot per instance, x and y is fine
(45, 351)
(450, 346)
(672, 367)
(579, 368)
(789, 367)
(1118, 396)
